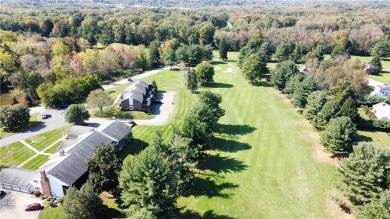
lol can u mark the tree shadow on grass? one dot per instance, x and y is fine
(206, 215)
(363, 138)
(220, 85)
(219, 164)
(262, 84)
(230, 145)
(113, 213)
(206, 186)
(218, 62)
(134, 148)
(230, 129)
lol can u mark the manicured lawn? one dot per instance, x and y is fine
(34, 121)
(14, 154)
(53, 148)
(115, 112)
(264, 163)
(43, 140)
(115, 91)
(36, 162)
(378, 138)
(50, 213)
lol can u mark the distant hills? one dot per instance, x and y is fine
(158, 3)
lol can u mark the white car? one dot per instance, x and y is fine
(43, 115)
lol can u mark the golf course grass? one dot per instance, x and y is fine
(263, 163)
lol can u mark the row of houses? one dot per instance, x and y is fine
(68, 167)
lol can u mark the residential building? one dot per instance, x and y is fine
(381, 90)
(381, 111)
(137, 96)
(68, 167)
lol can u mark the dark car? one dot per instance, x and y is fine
(156, 101)
(33, 207)
(2, 194)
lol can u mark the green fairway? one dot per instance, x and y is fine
(36, 162)
(43, 140)
(264, 164)
(14, 154)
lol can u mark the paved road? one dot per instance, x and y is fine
(134, 78)
(55, 119)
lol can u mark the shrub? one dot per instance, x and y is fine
(14, 117)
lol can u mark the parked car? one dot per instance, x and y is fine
(156, 101)
(2, 194)
(33, 207)
(43, 115)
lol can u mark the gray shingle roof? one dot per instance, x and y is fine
(17, 176)
(115, 129)
(77, 130)
(75, 165)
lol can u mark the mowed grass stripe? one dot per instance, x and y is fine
(36, 162)
(14, 154)
(43, 140)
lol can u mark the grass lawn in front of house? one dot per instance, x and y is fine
(36, 162)
(45, 139)
(14, 154)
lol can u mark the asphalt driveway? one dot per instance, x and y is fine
(55, 119)
(12, 205)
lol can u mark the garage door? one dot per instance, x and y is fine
(25, 190)
(16, 188)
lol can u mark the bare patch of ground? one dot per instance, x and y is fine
(228, 70)
(337, 211)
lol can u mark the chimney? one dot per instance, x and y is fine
(45, 184)
(62, 153)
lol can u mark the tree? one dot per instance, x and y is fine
(206, 34)
(315, 102)
(83, 203)
(328, 112)
(14, 117)
(339, 50)
(303, 89)
(170, 57)
(365, 173)
(299, 53)
(194, 55)
(99, 98)
(349, 109)
(381, 49)
(376, 62)
(148, 184)
(339, 135)
(154, 84)
(205, 73)
(154, 56)
(191, 81)
(14, 100)
(377, 208)
(76, 113)
(283, 52)
(282, 73)
(292, 85)
(264, 52)
(104, 168)
(222, 49)
(253, 68)
(341, 91)
(195, 129)
(212, 102)
(207, 53)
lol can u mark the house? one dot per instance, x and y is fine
(381, 90)
(137, 96)
(68, 167)
(381, 111)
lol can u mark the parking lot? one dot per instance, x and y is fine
(12, 205)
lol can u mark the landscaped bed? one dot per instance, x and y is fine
(117, 113)
(14, 154)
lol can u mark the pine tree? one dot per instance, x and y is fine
(148, 184)
(341, 91)
(292, 85)
(222, 49)
(339, 135)
(377, 208)
(349, 109)
(315, 102)
(365, 173)
(303, 89)
(328, 112)
(282, 73)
